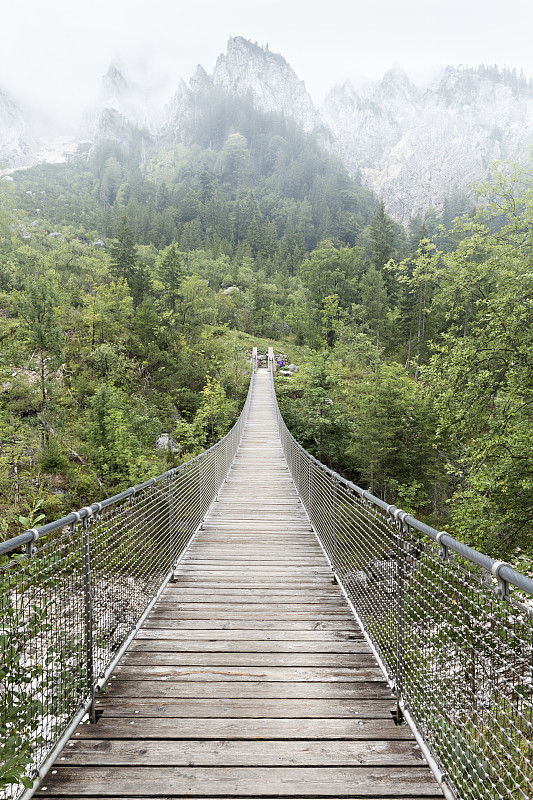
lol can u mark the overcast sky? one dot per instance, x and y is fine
(54, 52)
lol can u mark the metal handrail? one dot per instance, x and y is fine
(71, 603)
(454, 640)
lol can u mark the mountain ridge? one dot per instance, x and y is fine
(413, 146)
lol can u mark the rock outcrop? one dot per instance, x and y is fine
(120, 103)
(18, 142)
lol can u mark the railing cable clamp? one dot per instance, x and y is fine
(444, 553)
(30, 548)
(400, 517)
(502, 590)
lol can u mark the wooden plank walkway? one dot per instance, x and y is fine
(250, 679)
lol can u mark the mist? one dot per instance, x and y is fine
(54, 55)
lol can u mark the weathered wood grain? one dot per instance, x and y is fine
(172, 752)
(240, 689)
(266, 647)
(239, 708)
(248, 729)
(136, 658)
(346, 782)
(249, 674)
(328, 629)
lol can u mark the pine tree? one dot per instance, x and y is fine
(124, 251)
(124, 262)
(170, 272)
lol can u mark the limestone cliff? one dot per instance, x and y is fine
(414, 147)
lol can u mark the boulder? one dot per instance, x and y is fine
(166, 442)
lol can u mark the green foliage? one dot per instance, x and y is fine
(20, 716)
(170, 272)
(315, 406)
(214, 413)
(33, 519)
(374, 303)
(479, 374)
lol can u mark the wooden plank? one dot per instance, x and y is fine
(294, 572)
(264, 648)
(140, 728)
(250, 689)
(205, 708)
(264, 753)
(250, 596)
(264, 607)
(285, 543)
(242, 781)
(337, 617)
(328, 629)
(261, 563)
(249, 660)
(249, 674)
(212, 585)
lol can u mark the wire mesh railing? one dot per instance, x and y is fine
(451, 628)
(75, 596)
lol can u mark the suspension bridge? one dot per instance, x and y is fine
(251, 625)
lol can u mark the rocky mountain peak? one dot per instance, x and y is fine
(123, 100)
(200, 81)
(114, 85)
(396, 81)
(413, 146)
(251, 68)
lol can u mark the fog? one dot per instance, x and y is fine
(53, 54)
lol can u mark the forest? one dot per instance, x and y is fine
(136, 277)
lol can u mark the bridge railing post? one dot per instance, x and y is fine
(200, 484)
(335, 528)
(400, 620)
(88, 620)
(271, 361)
(309, 487)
